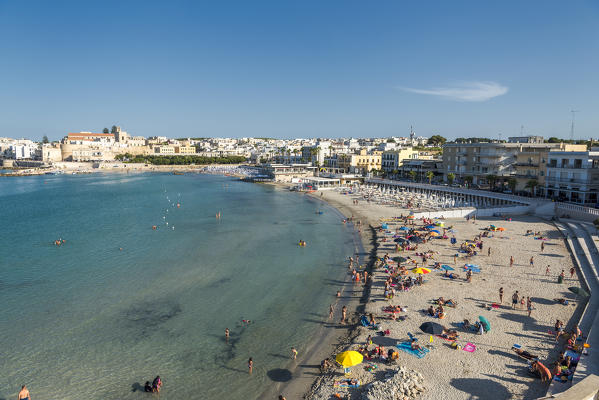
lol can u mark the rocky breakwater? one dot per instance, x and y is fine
(399, 384)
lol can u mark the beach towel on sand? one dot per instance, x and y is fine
(469, 347)
(346, 383)
(407, 347)
(473, 268)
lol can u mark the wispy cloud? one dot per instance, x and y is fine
(464, 91)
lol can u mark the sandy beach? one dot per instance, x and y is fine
(493, 370)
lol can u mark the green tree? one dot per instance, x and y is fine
(412, 175)
(512, 182)
(532, 184)
(113, 129)
(450, 178)
(430, 175)
(105, 130)
(468, 179)
(492, 179)
(437, 140)
(45, 139)
(390, 140)
(553, 139)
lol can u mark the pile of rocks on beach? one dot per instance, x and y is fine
(399, 384)
(396, 384)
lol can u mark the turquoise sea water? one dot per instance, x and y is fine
(88, 320)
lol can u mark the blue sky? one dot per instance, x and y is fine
(299, 69)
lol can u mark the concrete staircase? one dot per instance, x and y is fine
(582, 240)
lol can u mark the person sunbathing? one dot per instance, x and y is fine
(467, 325)
(431, 311)
(451, 303)
(415, 346)
(449, 334)
(525, 354)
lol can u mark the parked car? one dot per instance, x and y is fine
(507, 191)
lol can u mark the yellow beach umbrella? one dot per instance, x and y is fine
(501, 229)
(421, 270)
(349, 358)
(434, 234)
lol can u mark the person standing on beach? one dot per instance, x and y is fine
(226, 335)
(455, 259)
(489, 252)
(542, 245)
(532, 261)
(511, 261)
(547, 271)
(250, 365)
(529, 305)
(501, 295)
(294, 353)
(515, 298)
(343, 314)
(331, 311)
(24, 394)
(572, 272)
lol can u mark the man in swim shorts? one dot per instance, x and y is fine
(24, 393)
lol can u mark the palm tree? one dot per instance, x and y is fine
(430, 176)
(532, 184)
(492, 179)
(512, 182)
(412, 175)
(450, 178)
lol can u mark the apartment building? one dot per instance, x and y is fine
(361, 162)
(393, 160)
(478, 160)
(573, 176)
(531, 165)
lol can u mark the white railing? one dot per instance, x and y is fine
(577, 208)
(449, 189)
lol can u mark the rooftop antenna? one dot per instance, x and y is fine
(411, 135)
(572, 126)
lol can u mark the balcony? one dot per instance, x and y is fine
(522, 164)
(526, 176)
(553, 179)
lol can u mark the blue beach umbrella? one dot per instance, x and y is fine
(446, 267)
(429, 227)
(436, 231)
(404, 228)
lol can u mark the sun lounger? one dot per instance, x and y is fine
(407, 347)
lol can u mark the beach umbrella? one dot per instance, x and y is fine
(349, 358)
(432, 328)
(579, 291)
(440, 224)
(435, 230)
(429, 227)
(400, 240)
(501, 229)
(404, 228)
(434, 234)
(410, 217)
(486, 325)
(421, 270)
(446, 268)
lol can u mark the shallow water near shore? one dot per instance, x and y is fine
(119, 303)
